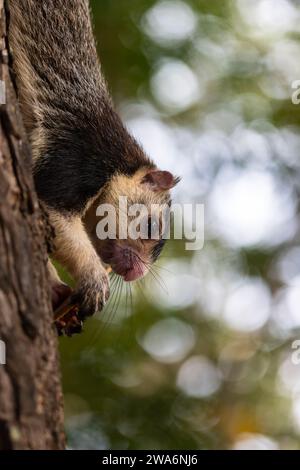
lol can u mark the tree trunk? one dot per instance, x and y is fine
(31, 415)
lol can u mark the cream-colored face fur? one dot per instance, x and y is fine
(136, 192)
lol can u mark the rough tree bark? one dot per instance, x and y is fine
(31, 415)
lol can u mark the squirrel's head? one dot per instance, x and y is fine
(129, 222)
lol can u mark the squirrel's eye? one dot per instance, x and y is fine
(153, 228)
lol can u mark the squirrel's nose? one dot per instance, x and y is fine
(138, 271)
(129, 265)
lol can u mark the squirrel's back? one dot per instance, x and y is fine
(55, 61)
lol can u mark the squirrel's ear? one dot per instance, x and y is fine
(160, 180)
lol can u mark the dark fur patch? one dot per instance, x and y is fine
(82, 158)
(156, 251)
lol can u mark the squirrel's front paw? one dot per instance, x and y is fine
(91, 294)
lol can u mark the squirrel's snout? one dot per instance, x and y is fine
(126, 262)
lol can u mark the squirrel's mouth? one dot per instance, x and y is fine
(124, 261)
(135, 273)
(128, 265)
